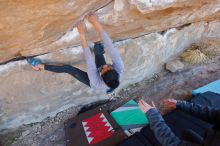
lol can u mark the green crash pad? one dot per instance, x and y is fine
(129, 116)
(213, 87)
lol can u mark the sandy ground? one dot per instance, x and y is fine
(179, 85)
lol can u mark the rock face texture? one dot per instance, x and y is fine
(174, 66)
(30, 27)
(28, 96)
(156, 32)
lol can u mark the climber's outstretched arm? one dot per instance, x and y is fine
(111, 50)
(81, 29)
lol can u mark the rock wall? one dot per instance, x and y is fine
(27, 96)
(153, 32)
(30, 27)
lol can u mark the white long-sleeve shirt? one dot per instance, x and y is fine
(96, 81)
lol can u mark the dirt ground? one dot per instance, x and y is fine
(179, 85)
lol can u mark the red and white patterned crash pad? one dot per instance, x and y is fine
(97, 128)
(93, 128)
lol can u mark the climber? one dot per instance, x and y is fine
(99, 75)
(167, 138)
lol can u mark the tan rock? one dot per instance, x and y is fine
(174, 65)
(30, 27)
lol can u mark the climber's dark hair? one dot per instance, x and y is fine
(111, 79)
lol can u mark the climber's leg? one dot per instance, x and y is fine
(99, 54)
(75, 72)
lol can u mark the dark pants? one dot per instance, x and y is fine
(77, 73)
(192, 136)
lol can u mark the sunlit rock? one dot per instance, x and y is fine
(28, 96)
(30, 27)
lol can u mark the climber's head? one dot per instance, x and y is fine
(109, 76)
